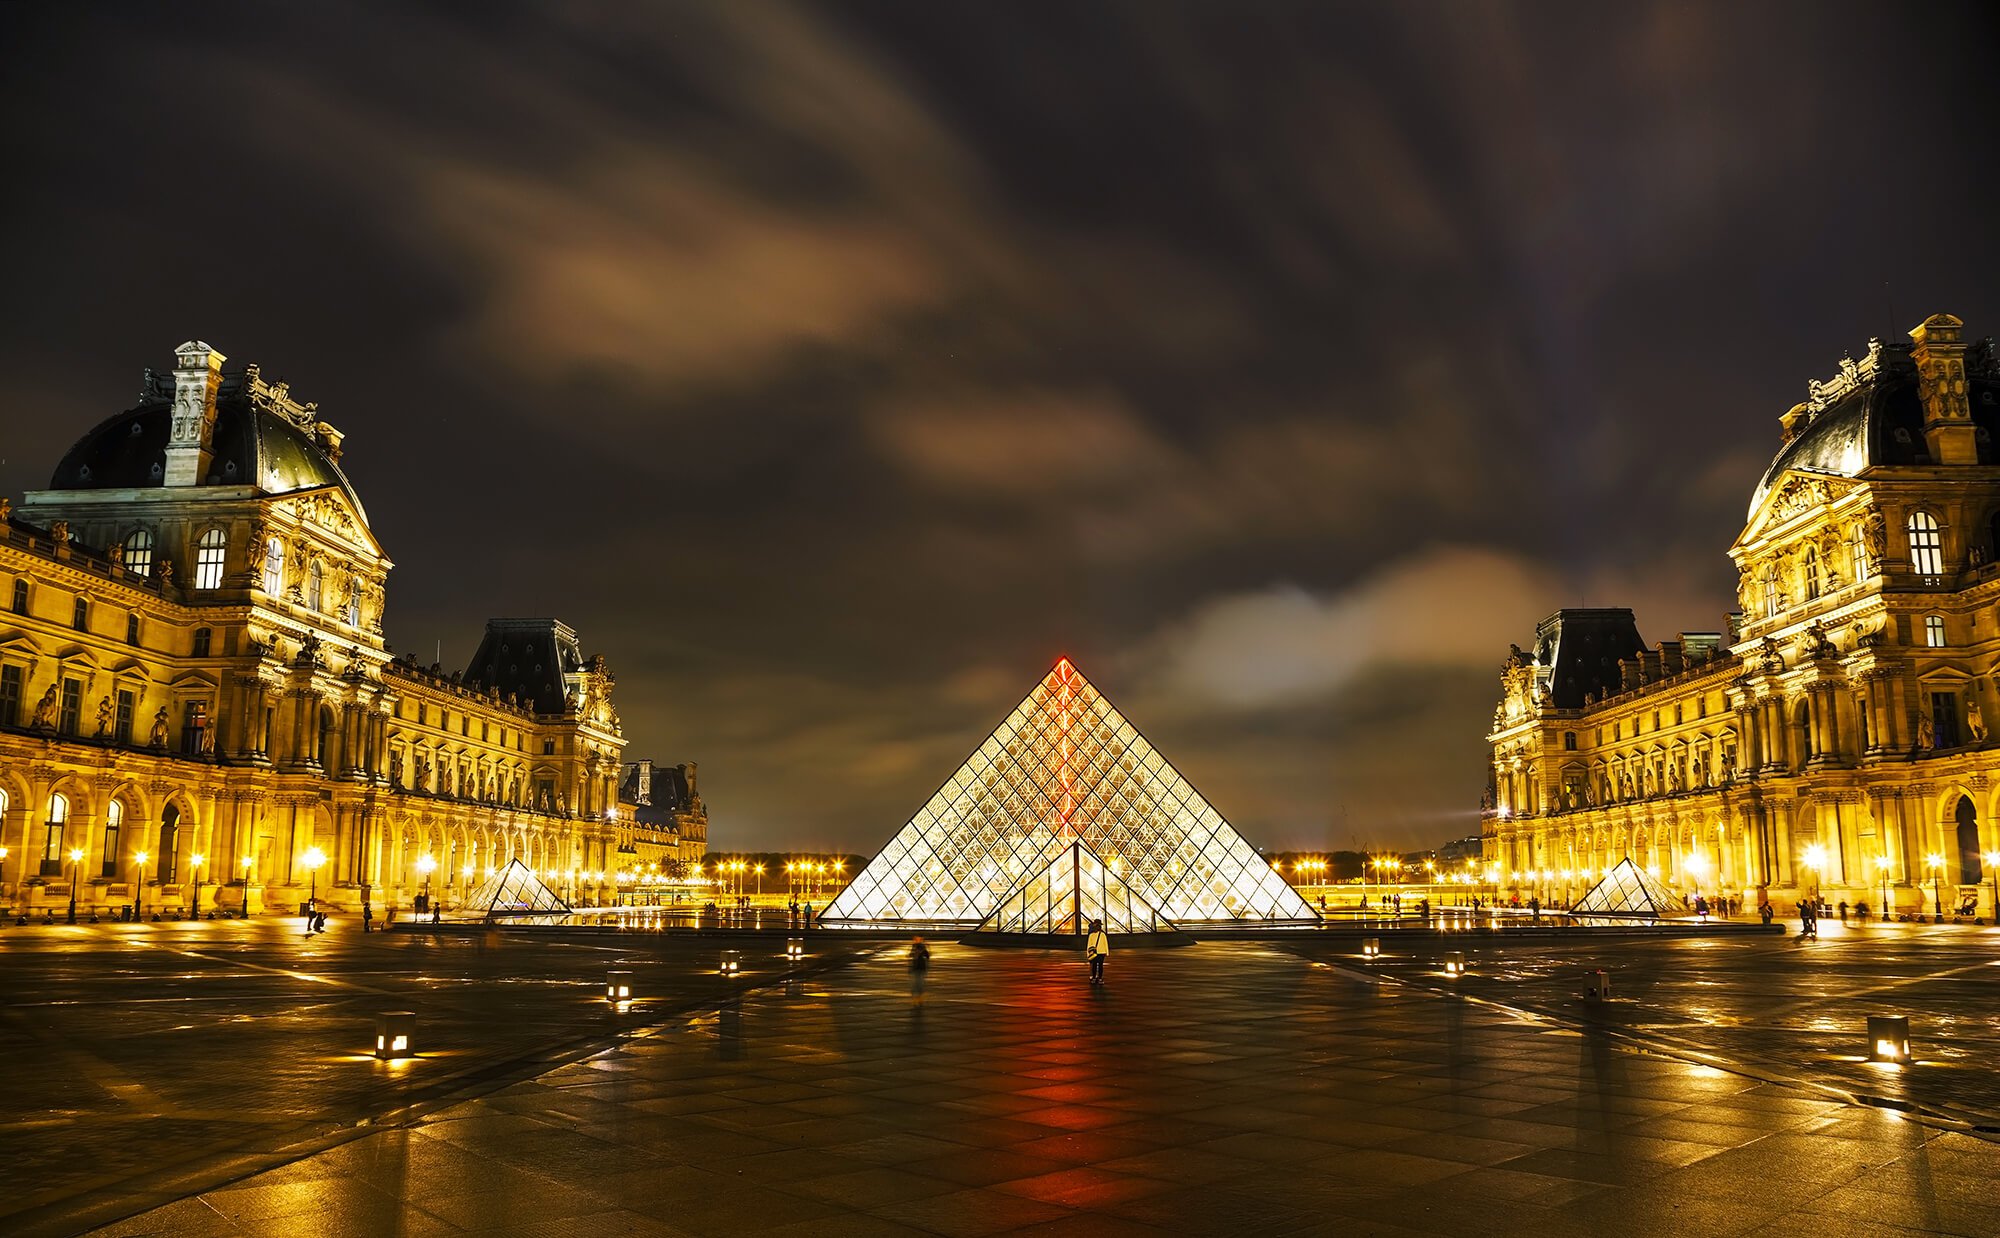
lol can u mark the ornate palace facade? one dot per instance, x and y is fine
(192, 670)
(1835, 738)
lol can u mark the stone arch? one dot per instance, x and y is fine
(1962, 853)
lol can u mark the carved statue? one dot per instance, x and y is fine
(1516, 656)
(204, 733)
(104, 718)
(396, 768)
(45, 711)
(158, 738)
(1875, 532)
(164, 569)
(1673, 777)
(1926, 733)
(116, 553)
(6, 510)
(309, 649)
(1975, 720)
(59, 532)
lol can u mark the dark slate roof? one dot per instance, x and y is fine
(253, 445)
(1875, 416)
(1583, 648)
(665, 788)
(527, 657)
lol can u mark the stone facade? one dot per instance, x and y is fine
(192, 667)
(1835, 738)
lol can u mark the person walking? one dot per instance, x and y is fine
(367, 918)
(312, 914)
(1095, 948)
(1843, 911)
(920, 965)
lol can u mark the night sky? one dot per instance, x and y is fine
(833, 369)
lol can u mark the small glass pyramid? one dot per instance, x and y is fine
(1627, 891)
(515, 891)
(1066, 768)
(1065, 897)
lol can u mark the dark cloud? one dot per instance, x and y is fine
(833, 369)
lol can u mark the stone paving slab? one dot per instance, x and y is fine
(1218, 1089)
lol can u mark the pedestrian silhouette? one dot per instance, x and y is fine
(920, 965)
(1096, 948)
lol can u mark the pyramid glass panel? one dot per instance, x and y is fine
(1065, 897)
(1066, 768)
(1627, 891)
(515, 891)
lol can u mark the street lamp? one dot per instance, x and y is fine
(1881, 864)
(1815, 859)
(1935, 863)
(759, 869)
(139, 888)
(195, 862)
(312, 859)
(75, 862)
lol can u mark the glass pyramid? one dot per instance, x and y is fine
(1065, 897)
(515, 891)
(1066, 768)
(1627, 891)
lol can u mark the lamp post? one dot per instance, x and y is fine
(139, 888)
(195, 862)
(1935, 863)
(75, 863)
(1882, 870)
(1815, 859)
(312, 859)
(759, 870)
(426, 865)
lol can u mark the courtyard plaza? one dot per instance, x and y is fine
(213, 1078)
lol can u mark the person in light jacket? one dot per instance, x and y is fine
(1095, 948)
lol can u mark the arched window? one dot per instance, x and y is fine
(274, 567)
(1859, 544)
(139, 552)
(114, 822)
(1774, 599)
(52, 839)
(210, 553)
(1926, 547)
(354, 602)
(1969, 870)
(315, 586)
(1934, 631)
(1809, 569)
(167, 866)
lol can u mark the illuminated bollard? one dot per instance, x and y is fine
(1597, 984)
(795, 948)
(617, 986)
(396, 1034)
(1889, 1039)
(732, 962)
(1371, 947)
(1454, 963)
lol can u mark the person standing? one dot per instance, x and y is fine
(312, 914)
(367, 918)
(920, 965)
(1095, 948)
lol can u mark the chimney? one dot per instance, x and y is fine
(1940, 359)
(190, 444)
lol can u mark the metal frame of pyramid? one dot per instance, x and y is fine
(1076, 888)
(1066, 768)
(1628, 892)
(515, 891)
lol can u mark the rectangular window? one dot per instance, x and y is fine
(131, 629)
(465, 725)
(483, 735)
(72, 707)
(1944, 716)
(126, 707)
(202, 638)
(10, 695)
(1569, 741)
(80, 615)
(110, 866)
(421, 711)
(190, 728)
(548, 747)
(1934, 631)
(20, 597)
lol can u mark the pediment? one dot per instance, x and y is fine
(328, 510)
(1798, 494)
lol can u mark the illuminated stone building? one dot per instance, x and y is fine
(666, 829)
(1835, 739)
(192, 668)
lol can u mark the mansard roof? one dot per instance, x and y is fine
(261, 438)
(1872, 413)
(533, 658)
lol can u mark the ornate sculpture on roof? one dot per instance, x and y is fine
(158, 738)
(163, 567)
(104, 718)
(1773, 662)
(1875, 530)
(45, 711)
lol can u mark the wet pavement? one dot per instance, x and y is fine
(1221, 1088)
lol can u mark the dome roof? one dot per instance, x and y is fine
(1873, 414)
(257, 441)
